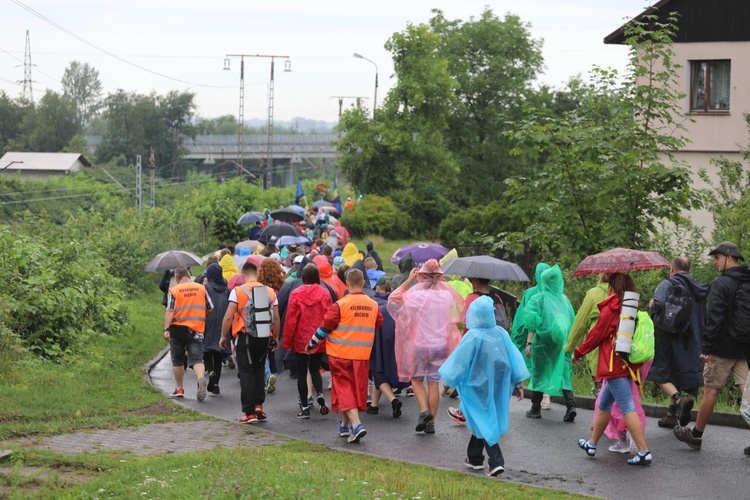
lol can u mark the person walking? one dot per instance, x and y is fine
(306, 311)
(721, 353)
(427, 317)
(615, 370)
(218, 292)
(548, 317)
(252, 350)
(188, 304)
(487, 368)
(677, 368)
(349, 327)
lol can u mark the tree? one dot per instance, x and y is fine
(136, 123)
(50, 125)
(12, 112)
(81, 83)
(609, 177)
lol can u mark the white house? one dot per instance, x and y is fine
(41, 165)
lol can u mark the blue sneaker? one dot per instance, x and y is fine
(343, 430)
(357, 433)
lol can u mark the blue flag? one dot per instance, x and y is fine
(335, 196)
(300, 193)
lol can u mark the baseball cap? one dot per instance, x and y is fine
(727, 248)
(381, 281)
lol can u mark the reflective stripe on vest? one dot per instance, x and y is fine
(189, 306)
(355, 333)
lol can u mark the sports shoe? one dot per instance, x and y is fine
(494, 472)
(409, 392)
(344, 430)
(271, 386)
(470, 465)
(621, 446)
(372, 410)
(424, 417)
(178, 393)
(546, 405)
(684, 405)
(357, 433)
(304, 413)
(532, 413)
(397, 392)
(215, 391)
(668, 421)
(202, 383)
(262, 417)
(429, 428)
(211, 381)
(747, 450)
(587, 447)
(641, 458)
(248, 418)
(396, 407)
(570, 414)
(310, 402)
(322, 404)
(456, 415)
(685, 434)
(230, 363)
(450, 392)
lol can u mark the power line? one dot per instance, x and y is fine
(104, 51)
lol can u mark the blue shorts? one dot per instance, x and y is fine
(617, 389)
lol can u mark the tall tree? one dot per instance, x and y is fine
(81, 83)
(12, 112)
(50, 125)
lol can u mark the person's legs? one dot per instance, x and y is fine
(475, 451)
(375, 397)
(244, 372)
(302, 360)
(494, 455)
(706, 409)
(420, 394)
(314, 369)
(216, 355)
(536, 405)
(179, 375)
(433, 397)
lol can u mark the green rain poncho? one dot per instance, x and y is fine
(549, 315)
(586, 318)
(520, 332)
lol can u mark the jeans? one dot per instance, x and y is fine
(251, 360)
(476, 457)
(536, 399)
(617, 389)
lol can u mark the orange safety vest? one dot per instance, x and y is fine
(238, 320)
(353, 336)
(189, 306)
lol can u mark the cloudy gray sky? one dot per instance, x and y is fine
(163, 45)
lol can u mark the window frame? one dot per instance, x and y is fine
(710, 64)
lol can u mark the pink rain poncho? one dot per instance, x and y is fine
(426, 318)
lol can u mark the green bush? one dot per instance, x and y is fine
(376, 215)
(467, 226)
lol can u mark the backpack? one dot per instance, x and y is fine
(501, 317)
(642, 348)
(674, 318)
(257, 313)
(739, 329)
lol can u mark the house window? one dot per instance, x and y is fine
(709, 86)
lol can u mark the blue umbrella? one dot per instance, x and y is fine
(422, 252)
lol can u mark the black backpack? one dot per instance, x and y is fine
(739, 328)
(674, 317)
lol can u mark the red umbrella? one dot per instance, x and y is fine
(619, 260)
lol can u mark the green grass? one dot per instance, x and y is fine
(292, 469)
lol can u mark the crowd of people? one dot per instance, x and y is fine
(331, 307)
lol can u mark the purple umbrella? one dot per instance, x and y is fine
(422, 252)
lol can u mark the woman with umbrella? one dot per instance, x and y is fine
(426, 318)
(615, 370)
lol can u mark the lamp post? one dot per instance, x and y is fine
(375, 99)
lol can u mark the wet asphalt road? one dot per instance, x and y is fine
(537, 452)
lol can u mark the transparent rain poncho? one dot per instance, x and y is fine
(484, 368)
(519, 320)
(426, 318)
(550, 315)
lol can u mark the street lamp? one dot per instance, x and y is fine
(375, 100)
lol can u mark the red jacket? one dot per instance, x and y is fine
(602, 336)
(304, 314)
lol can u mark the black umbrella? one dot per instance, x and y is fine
(286, 215)
(251, 218)
(173, 259)
(278, 230)
(484, 266)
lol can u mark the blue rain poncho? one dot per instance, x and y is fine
(484, 368)
(550, 315)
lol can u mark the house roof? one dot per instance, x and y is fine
(60, 162)
(698, 21)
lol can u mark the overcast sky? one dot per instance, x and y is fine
(163, 45)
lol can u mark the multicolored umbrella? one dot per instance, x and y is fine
(484, 266)
(619, 260)
(173, 259)
(422, 252)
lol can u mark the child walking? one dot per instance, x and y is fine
(487, 369)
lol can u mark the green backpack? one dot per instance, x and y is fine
(642, 349)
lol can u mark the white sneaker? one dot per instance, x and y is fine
(621, 446)
(545, 402)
